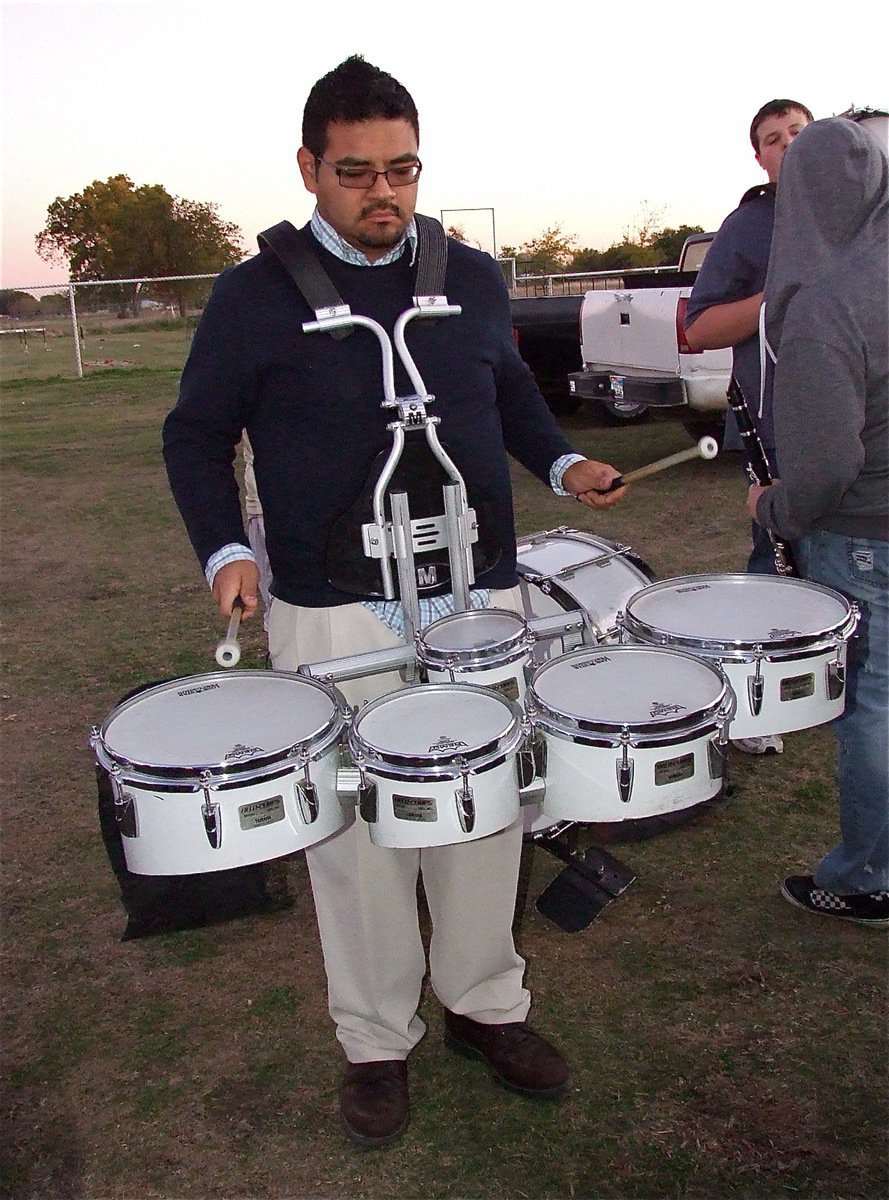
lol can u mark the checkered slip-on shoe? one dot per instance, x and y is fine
(866, 908)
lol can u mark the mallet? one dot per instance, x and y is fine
(707, 447)
(228, 652)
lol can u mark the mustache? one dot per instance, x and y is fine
(380, 206)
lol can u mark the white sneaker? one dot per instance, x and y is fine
(772, 743)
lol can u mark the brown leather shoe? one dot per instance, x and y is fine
(516, 1056)
(374, 1103)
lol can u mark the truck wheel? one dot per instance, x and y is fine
(704, 424)
(624, 410)
(562, 404)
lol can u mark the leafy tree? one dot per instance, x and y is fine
(457, 232)
(14, 303)
(548, 253)
(667, 243)
(53, 304)
(114, 230)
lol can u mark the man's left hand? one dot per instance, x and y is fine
(753, 494)
(589, 482)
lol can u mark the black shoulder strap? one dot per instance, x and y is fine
(432, 256)
(306, 271)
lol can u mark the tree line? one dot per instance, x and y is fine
(116, 230)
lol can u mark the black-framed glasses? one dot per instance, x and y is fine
(401, 175)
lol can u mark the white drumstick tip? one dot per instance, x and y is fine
(708, 447)
(228, 654)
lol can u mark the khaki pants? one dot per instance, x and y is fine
(366, 895)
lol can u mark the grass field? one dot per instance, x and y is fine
(722, 1043)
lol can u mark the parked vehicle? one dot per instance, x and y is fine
(624, 347)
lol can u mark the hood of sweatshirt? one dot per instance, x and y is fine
(831, 208)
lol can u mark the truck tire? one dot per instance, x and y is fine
(704, 424)
(619, 411)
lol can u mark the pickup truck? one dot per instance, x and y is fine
(624, 347)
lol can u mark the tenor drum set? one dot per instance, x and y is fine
(610, 699)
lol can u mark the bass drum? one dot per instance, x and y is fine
(568, 570)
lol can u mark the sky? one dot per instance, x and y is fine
(590, 117)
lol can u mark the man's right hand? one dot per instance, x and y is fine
(238, 578)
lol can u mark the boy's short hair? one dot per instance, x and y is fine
(774, 108)
(354, 91)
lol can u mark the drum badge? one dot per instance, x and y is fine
(445, 744)
(238, 752)
(659, 709)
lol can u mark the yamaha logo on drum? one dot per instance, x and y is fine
(445, 744)
(194, 691)
(240, 751)
(590, 662)
(659, 709)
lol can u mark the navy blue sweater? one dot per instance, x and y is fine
(311, 406)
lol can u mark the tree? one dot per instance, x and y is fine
(668, 243)
(549, 252)
(114, 230)
(14, 303)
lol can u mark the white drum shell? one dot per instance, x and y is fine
(208, 771)
(783, 679)
(487, 647)
(256, 822)
(675, 761)
(599, 588)
(418, 789)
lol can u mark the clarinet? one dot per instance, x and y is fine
(758, 470)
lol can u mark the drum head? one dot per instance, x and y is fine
(475, 630)
(737, 610)
(435, 723)
(612, 686)
(220, 720)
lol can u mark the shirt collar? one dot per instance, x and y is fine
(331, 240)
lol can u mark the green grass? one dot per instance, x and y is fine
(722, 1044)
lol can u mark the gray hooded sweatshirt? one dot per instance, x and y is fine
(827, 319)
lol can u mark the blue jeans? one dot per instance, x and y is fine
(859, 568)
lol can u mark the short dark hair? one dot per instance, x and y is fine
(774, 108)
(354, 91)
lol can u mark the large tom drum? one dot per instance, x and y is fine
(437, 764)
(781, 642)
(630, 732)
(569, 570)
(224, 769)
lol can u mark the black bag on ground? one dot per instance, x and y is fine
(165, 903)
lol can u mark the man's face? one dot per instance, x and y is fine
(775, 134)
(372, 219)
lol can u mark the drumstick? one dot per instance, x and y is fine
(707, 447)
(228, 652)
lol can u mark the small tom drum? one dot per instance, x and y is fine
(781, 642)
(488, 647)
(222, 770)
(437, 764)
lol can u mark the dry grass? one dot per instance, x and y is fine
(723, 1045)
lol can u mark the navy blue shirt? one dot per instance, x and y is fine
(311, 406)
(734, 268)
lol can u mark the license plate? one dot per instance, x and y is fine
(617, 386)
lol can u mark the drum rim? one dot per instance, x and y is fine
(602, 732)
(244, 770)
(569, 534)
(737, 647)
(506, 650)
(391, 764)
